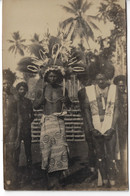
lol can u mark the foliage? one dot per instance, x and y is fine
(109, 10)
(79, 24)
(17, 46)
(36, 39)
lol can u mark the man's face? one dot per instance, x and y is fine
(121, 86)
(52, 78)
(6, 86)
(21, 91)
(101, 81)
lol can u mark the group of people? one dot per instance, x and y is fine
(104, 111)
(17, 118)
(102, 106)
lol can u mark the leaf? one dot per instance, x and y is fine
(69, 10)
(79, 3)
(93, 17)
(36, 37)
(70, 28)
(20, 51)
(35, 48)
(16, 36)
(11, 41)
(74, 34)
(66, 22)
(73, 5)
(86, 6)
(87, 30)
(94, 26)
(22, 40)
(23, 46)
(11, 48)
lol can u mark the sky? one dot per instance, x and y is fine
(36, 16)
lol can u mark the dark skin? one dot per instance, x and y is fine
(121, 86)
(52, 98)
(6, 86)
(10, 109)
(21, 92)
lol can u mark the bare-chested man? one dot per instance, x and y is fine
(52, 140)
(9, 130)
(120, 81)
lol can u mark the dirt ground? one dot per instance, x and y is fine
(78, 177)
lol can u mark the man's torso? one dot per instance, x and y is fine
(52, 99)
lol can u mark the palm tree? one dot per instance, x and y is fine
(79, 24)
(105, 9)
(17, 44)
(111, 11)
(36, 39)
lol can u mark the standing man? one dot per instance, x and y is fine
(83, 101)
(101, 112)
(120, 81)
(9, 129)
(25, 118)
(53, 140)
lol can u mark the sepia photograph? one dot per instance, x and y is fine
(65, 95)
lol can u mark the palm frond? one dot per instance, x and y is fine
(93, 17)
(23, 46)
(22, 40)
(94, 25)
(36, 37)
(69, 10)
(16, 36)
(73, 5)
(35, 49)
(20, 50)
(66, 22)
(112, 1)
(10, 41)
(102, 12)
(70, 28)
(86, 6)
(75, 31)
(87, 30)
(79, 3)
(11, 48)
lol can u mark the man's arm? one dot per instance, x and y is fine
(31, 112)
(116, 111)
(39, 99)
(85, 109)
(66, 99)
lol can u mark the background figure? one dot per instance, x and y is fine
(9, 129)
(101, 114)
(53, 140)
(120, 81)
(88, 134)
(25, 118)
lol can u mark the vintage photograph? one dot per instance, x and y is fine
(65, 107)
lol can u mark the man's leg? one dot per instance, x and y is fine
(101, 159)
(111, 163)
(28, 171)
(11, 169)
(27, 143)
(91, 151)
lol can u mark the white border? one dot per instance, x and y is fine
(2, 192)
